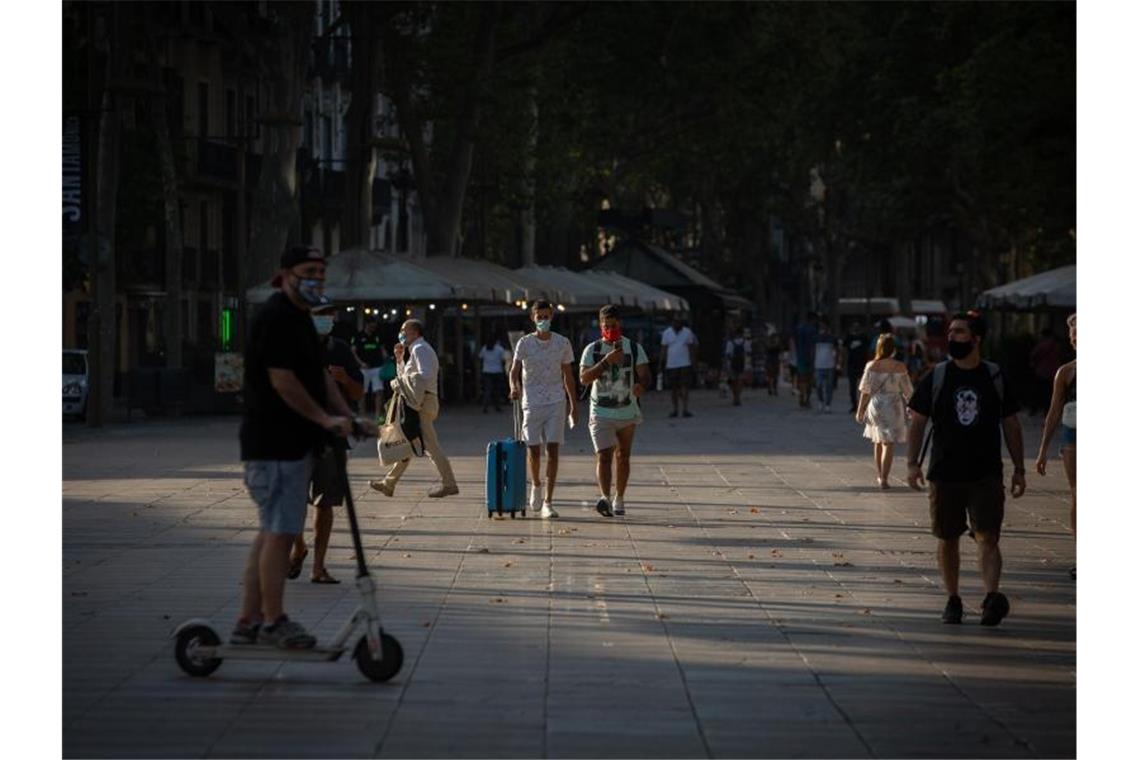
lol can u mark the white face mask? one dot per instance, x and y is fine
(323, 323)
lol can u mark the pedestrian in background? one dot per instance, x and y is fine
(826, 356)
(493, 356)
(678, 362)
(326, 486)
(772, 356)
(371, 356)
(1063, 413)
(884, 391)
(737, 362)
(1045, 359)
(417, 381)
(855, 349)
(807, 333)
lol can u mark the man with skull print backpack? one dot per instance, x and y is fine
(970, 406)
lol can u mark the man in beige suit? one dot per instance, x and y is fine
(417, 380)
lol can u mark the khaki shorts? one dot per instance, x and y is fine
(982, 501)
(603, 431)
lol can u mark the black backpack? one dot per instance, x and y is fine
(738, 357)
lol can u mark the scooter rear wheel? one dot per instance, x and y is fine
(185, 650)
(379, 670)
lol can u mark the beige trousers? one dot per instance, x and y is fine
(429, 411)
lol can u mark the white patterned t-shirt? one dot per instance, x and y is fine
(542, 362)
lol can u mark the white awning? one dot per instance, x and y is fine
(357, 275)
(1057, 287)
(593, 288)
(485, 281)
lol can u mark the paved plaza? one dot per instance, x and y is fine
(762, 598)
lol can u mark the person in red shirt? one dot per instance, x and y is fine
(1045, 360)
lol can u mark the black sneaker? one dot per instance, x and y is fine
(673, 413)
(994, 607)
(603, 507)
(687, 414)
(286, 634)
(952, 615)
(245, 633)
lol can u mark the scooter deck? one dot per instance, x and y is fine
(269, 652)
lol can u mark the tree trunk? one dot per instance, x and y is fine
(361, 167)
(442, 204)
(172, 221)
(527, 221)
(276, 218)
(904, 265)
(102, 326)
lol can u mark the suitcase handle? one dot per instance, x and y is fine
(518, 419)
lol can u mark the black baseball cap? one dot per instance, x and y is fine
(298, 254)
(301, 254)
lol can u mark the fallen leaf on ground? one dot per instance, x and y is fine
(777, 553)
(427, 624)
(508, 564)
(755, 510)
(842, 564)
(498, 600)
(751, 556)
(865, 611)
(406, 556)
(484, 550)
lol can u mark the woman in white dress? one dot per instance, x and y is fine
(884, 392)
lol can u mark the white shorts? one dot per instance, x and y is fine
(544, 424)
(603, 431)
(372, 381)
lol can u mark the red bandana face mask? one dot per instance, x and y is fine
(611, 334)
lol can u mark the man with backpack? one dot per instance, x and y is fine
(737, 361)
(617, 371)
(971, 406)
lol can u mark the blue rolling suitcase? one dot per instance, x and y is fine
(506, 472)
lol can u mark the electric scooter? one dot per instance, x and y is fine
(199, 649)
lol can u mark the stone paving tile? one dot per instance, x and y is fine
(761, 599)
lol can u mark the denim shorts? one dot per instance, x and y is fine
(281, 491)
(1068, 436)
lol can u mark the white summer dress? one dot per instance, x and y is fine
(886, 411)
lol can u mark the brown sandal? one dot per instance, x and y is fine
(296, 564)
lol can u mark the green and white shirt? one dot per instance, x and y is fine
(611, 395)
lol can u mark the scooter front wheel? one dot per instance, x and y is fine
(379, 670)
(187, 654)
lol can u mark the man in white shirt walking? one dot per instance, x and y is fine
(542, 376)
(417, 380)
(677, 361)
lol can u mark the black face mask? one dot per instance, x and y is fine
(960, 349)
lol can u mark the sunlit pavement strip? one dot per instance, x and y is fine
(761, 598)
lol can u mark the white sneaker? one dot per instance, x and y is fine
(535, 497)
(547, 511)
(619, 506)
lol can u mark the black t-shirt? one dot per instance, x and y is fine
(967, 423)
(856, 346)
(370, 349)
(281, 336)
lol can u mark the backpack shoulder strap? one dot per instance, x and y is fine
(998, 379)
(938, 380)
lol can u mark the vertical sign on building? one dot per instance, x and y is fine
(73, 206)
